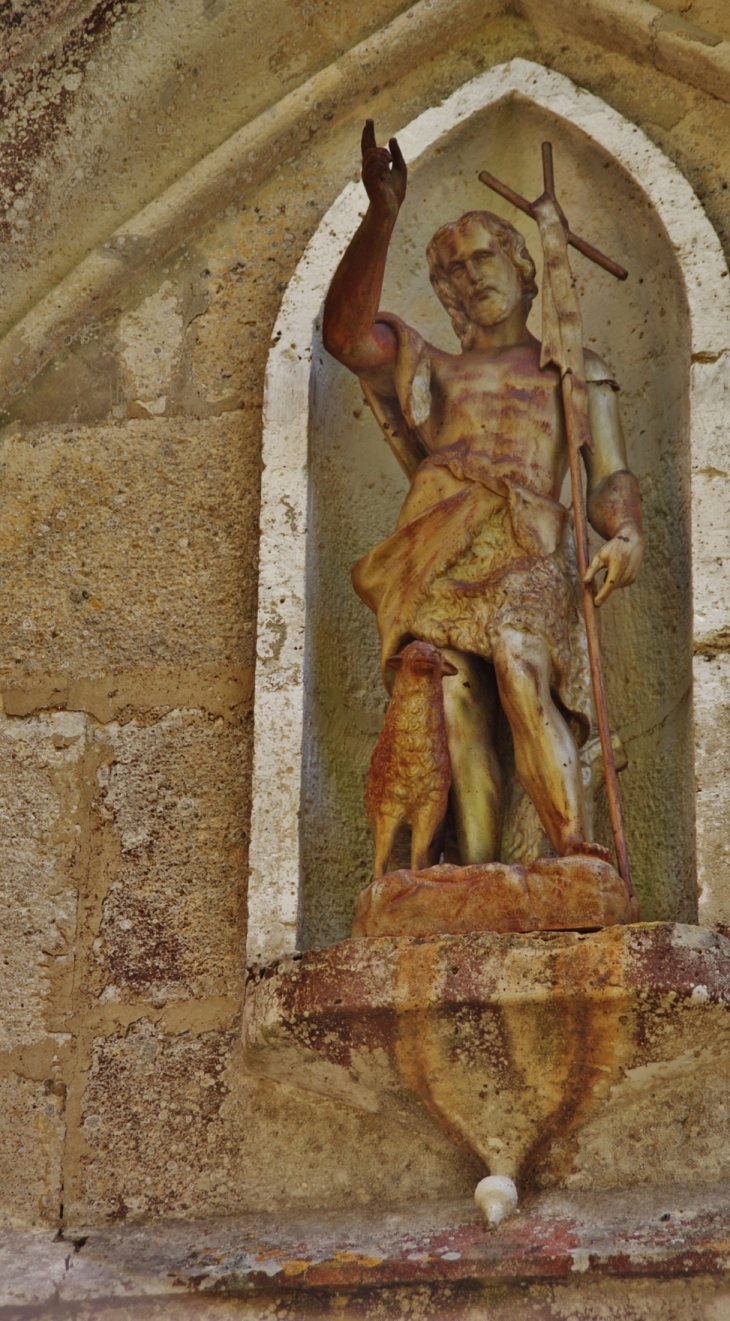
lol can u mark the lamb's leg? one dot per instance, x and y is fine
(385, 829)
(425, 827)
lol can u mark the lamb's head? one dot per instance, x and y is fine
(423, 659)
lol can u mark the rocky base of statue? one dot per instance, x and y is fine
(551, 894)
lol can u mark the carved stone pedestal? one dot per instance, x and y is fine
(547, 1055)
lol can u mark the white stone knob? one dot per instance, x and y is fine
(496, 1197)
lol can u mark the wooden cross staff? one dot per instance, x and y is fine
(563, 345)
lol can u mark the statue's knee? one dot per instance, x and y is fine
(521, 671)
(510, 656)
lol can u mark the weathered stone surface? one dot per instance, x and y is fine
(712, 770)
(703, 1299)
(43, 794)
(622, 1147)
(151, 340)
(618, 1235)
(128, 548)
(599, 1059)
(615, 1256)
(174, 797)
(152, 1125)
(710, 16)
(31, 1151)
(163, 85)
(710, 478)
(173, 1128)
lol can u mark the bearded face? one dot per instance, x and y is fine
(481, 274)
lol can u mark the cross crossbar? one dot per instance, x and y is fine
(509, 194)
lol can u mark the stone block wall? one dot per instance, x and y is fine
(129, 480)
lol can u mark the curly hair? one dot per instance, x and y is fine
(511, 242)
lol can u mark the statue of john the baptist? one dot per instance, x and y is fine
(479, 564)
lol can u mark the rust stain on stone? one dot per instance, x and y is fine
(510, 1043)
(418, 1054)
(593, 1044)
(553, 1055)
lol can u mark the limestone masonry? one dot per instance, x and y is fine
(190, 693)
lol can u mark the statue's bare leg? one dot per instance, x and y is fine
(470, 707)
(546, 758)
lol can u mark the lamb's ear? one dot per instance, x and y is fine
(447, 667)
(394, 662)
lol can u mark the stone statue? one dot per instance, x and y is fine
(481, 563)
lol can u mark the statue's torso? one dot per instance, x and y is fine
(504, 409)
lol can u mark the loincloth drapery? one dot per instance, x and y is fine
(492, 556)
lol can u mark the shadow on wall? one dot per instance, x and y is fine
(641, 329)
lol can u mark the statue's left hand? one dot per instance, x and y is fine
(621, 558)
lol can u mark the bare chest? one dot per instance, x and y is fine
(509, 410)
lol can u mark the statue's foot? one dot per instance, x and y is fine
(587, 849)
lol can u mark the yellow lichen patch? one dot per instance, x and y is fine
(356, 1259)
(295, 1267)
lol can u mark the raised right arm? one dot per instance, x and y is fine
(350, 331)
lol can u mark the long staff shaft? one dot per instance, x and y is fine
(594, 649)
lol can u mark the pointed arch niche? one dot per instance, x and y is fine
(331, 489)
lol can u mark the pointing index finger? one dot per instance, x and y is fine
(397, 154)
(368, 136)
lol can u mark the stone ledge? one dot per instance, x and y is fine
(644, 1233)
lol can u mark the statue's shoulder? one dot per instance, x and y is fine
(597, 371)
(411, 348)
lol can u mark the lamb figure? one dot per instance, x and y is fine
(410, 770)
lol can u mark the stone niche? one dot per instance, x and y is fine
(331, 489)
